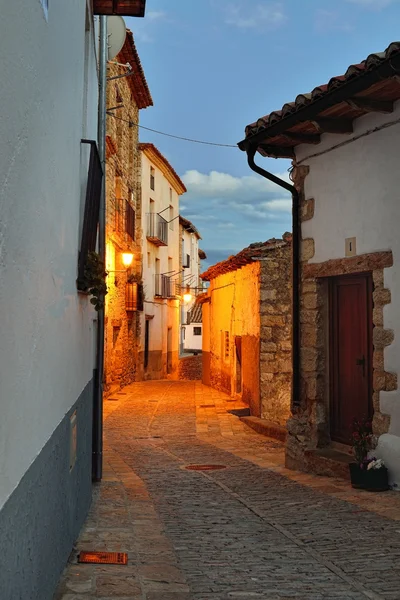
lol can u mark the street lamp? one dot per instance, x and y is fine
(187, 296)
(127, 258)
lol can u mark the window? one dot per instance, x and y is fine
(119, 214)
(196, 330)
(148, 260)
(152, 178)
(91, 214)
(130, 221)
(171, 217)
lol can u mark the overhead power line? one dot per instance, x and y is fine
(177, 137)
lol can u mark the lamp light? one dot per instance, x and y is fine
(187, 296)
(127, 258)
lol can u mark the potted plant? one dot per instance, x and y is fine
(94, 280)
(366, 473)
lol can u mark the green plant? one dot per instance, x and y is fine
(362, 439)
(94, 280)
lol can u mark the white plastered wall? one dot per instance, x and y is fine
(47, 332)
(356, 194)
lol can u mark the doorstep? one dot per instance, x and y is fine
(328, 462)
(264, 427)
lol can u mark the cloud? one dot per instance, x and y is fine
(265, 15)
(226, 225)
(156, 15)
(278, 205)
(329, 20)
(223, 185)
(373, 4)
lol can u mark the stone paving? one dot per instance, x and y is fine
(251, 530)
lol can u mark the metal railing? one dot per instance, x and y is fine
(163, 286)
(157, 229)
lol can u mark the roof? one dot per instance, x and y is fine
(188, 225)
(155, 156)
(127, 8)
(195, 315)
(369, 86)
(248, 255)
(137, 82)
(202, 254)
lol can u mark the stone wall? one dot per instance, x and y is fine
(122, 329)
(190, 368)
(309, 427)
(275, 335)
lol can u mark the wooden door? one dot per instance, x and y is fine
(350, 353)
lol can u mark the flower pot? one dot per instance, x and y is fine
(372, 480)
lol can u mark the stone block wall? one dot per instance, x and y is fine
(309, 427)
(275, 336)
(122, 329)
(190, 368)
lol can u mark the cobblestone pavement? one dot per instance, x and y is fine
(251, 530)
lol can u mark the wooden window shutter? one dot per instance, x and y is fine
(92, 209)
(130, 220)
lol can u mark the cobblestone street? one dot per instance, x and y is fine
(250, 530)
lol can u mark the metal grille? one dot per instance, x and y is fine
(105, 558)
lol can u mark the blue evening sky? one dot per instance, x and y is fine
(214, 66)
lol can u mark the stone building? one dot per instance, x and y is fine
(161, 189)
(247, 328)
(126, 96)
(343, 138)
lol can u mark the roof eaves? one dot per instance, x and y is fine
(357, 78)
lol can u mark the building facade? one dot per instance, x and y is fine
(247, 328)
(161, 189)
(190, 256)
(127, 96)
(47, 328)
(343, 139)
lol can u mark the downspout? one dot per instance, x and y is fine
(97, 439)
(295, 399)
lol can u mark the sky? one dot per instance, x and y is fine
(213, 66)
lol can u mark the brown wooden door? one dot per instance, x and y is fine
(350, 353)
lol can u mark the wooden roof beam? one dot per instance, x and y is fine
(328, 125)
(277, 151)
(302, 138)
(371, 105)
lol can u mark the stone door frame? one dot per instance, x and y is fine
(314, 331)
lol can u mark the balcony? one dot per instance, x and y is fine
(157, 229)
(163, 287)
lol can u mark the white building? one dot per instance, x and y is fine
(193, 330)
(344, 139)
(191, 284)
(161, 189)
(49, 105)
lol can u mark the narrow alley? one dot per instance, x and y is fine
(251, 529)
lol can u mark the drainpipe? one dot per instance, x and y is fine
(295, 400)
(97, 439)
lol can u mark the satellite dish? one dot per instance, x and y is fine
(116, 34)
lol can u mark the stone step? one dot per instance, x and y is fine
(266, 428)
(327, 462)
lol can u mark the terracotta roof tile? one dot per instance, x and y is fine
(195, 315)
(246, 256)
(137, 82)
(153, 152)
(305, 100)
(188, 225)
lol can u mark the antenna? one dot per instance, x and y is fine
(116, 34)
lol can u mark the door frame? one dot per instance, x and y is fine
(332, 365)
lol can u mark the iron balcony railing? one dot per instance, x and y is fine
(157, 229)
(164, 287)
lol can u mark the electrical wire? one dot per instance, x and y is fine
(177, 137)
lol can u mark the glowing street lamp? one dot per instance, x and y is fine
(187, 296)
(127, 258)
